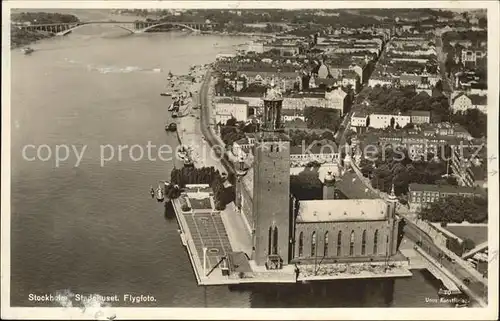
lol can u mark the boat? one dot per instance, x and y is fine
(166, 94)
(159, 194)
(171, 127)
(444, 292)
(182, 153)
(152, 191)
(27, 50)
(171, 107)
(174, 114)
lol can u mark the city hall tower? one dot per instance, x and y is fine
(271, 186)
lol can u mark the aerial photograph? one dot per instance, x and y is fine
(249, 158)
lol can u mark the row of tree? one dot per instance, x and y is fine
(298, 137)
(230, 134)
(457, 209)
(322, 118)
(474, 120)
(393, 100)
(394, 166)
(43, 17)
(192, 175)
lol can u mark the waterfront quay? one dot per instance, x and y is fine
(418, 259)
(219, 243)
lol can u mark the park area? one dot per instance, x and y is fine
(200, 203)
(478, 234)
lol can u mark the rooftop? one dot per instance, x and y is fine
(350, 185)
(425, 113)
(232, 100)
(342, 210)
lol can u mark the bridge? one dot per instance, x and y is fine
(438, 271)
(63, 29)
(481, 247)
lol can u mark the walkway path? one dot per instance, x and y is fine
(478, 248)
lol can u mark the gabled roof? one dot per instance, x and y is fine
(342, 210)
(458, 96)
(232, 100)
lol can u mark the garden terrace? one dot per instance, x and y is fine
(200, 203)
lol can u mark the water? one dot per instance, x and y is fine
(95, 230)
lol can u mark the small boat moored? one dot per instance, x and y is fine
(171, 127)
(166, 94)
(159, 194)
(444, 292)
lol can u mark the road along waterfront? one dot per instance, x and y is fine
(95, 230)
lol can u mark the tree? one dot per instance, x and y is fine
(322, 118)
(454, 245)
(475, 121)
(483, 23)
(392, 122)
(457, 209)
(306, 185)
(231, 122)
(327, 135)
(468, 244)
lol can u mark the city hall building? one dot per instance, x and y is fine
(286, 230)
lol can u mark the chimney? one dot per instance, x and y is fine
(329, 187)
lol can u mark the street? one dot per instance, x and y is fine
(427, 243)
(441, 55)
(205, 123)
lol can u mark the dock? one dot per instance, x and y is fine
(219, 249)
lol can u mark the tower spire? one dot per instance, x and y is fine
(392, 196)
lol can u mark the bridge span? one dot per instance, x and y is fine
(63, 29)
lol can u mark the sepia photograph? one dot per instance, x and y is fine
(272, 160)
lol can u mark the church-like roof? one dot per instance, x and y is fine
(342, 210)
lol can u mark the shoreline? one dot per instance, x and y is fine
(30, 37)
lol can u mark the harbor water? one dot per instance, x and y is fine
(94, 229)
